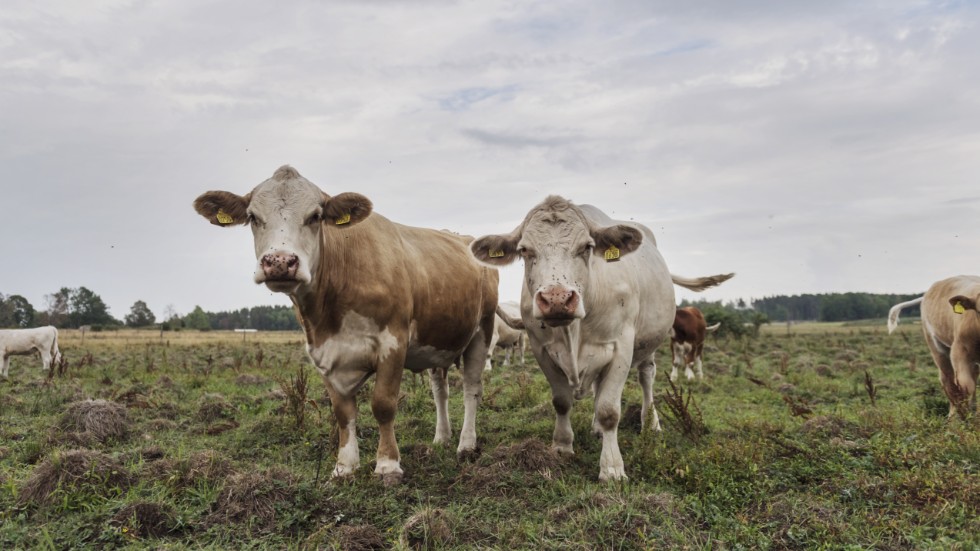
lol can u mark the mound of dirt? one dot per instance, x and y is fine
(494, 474)
(214, 407)
(361, 537)
(252, 497)
(90, 421)
(427, 529)
(73, 470)
(205, 465)
(530, 455)
(145, 519)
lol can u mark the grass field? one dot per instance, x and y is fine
(819, 437)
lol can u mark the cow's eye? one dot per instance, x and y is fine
(254, 220)
(586, 250)
(313, 219)
(525, 252)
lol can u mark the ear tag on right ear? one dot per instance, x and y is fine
(958, 307)
(611, 254)
(223, 217)
(496, 253)
(345, 219)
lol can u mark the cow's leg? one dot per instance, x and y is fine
(507, 352)
(440, 394)
(947, 377)
(676, 359)
(562, 400)
(688, 361)
(698, 351)
(964, 365)
(6, 365)
(345, 411)
(608, 408)
(384, 406)
(474, 357)
(648, 374)
(45, 359)
(490, 350)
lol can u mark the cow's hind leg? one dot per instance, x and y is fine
(474, 358)
(384, 405)
(438, 378)
(6, 365)
(648, 374)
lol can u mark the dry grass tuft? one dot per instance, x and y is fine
(95, 421)
(72, 470)
(530, 455)
(826, 425)
(253, 496)
(427, 529)
(203, 466)
(145, 519)
(214, 407)
(361, 537)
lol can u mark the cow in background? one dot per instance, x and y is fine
(597, 301)
(951, 326)
(505, 337)
(21, 342)
(374, 296)
(687, 341)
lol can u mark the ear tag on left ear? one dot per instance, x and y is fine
(496, 253)
(223, 217)
(345, 219)
(958, 307)
(611, 254)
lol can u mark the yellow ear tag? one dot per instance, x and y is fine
(496, 253)
(223, 217)
(612, 254)
(958, 307)
(345, 219)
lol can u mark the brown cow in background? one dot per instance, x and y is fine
(687, 341)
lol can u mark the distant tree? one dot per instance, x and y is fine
(59, 307)
(171, 319)
(197, 319)
(140, 315)
(88, 308)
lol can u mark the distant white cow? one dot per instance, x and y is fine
(21, 342)
(951, 325)
(508, 339)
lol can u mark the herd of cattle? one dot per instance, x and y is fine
(376, 297)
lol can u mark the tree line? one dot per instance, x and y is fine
(831, 306)
(73, 308)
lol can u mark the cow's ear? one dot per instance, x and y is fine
(612, 242)
(496, 250)
(961, 304)
(346, 209)
(223, 208)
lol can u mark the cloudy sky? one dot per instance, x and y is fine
(808, 146)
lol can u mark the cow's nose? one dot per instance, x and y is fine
(557, 301)
(280, 265)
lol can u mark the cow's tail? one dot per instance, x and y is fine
(700, 283)
(512, 322)
(897, 309)
(713, 328)
(55, 353)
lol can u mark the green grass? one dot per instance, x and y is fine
(217, 456)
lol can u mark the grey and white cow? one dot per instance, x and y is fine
(597, 300)
(511, 341)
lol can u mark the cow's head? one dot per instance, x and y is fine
(286, 213)
(559, 246)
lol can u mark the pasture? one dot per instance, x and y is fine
(812, 437)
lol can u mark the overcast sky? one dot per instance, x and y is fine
(808, 146)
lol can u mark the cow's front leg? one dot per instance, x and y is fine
(474, 358)
(440, 395)
(607, 413)
(562, 400)
(345, 411)
(6, 365)
(648, 374)
(384, 405)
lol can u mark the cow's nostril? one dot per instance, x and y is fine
(292, 261)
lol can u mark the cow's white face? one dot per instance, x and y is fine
(558, 245)
(286, 214)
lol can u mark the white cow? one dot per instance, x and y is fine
(597, 301)
(505, 337)
(21, 342)
(951, 325)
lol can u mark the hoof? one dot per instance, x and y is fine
(563, 450)
(391, 479)
(613, 476)
(468, 456)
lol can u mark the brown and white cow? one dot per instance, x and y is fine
(597, 301)
(374, 297)
(505, 337)
(687, 341)
(21, 342)
(951, 325)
